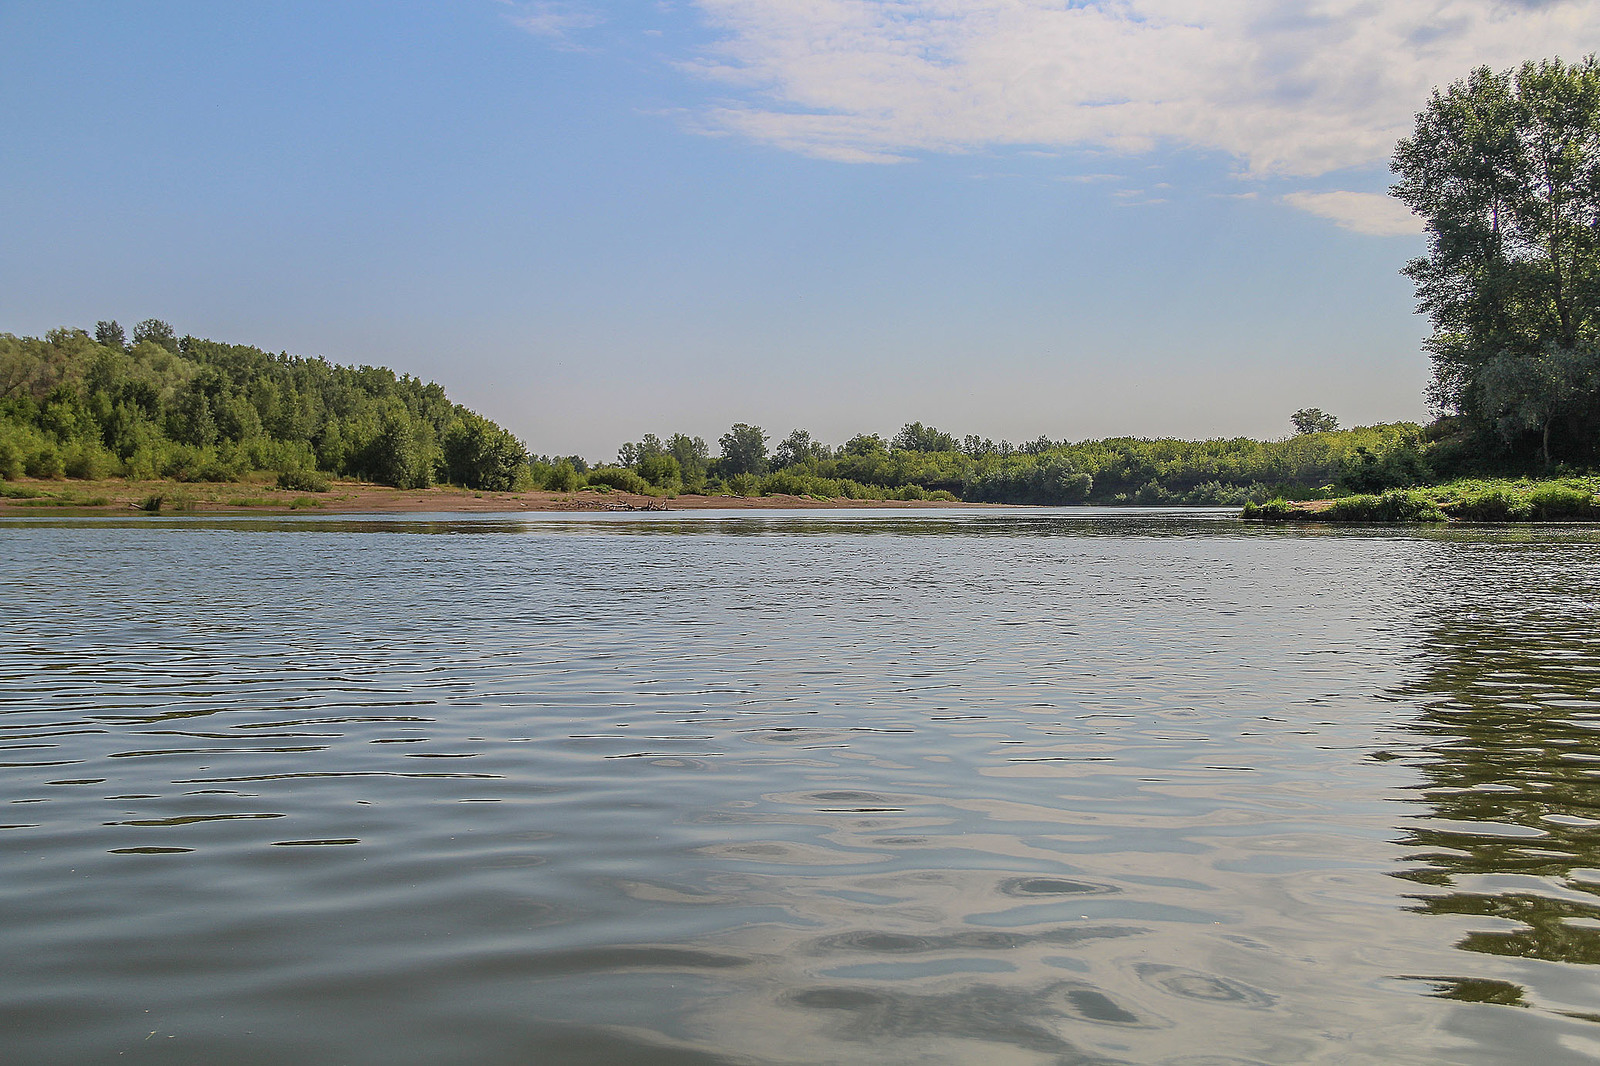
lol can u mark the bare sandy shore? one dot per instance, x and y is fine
(31, 496)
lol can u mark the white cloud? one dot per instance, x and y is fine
(1285, 87)
(556, 21)
(1363, 212)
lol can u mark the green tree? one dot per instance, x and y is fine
(915, 437)
(864, 444)
(155, 332)
(110, 334)
(398, 455)
(692, 454)
(1505, 170)
(1313, 420)
(1531, 393)
(482, 455)
(744, 451)
(660, 469)
(798, 447)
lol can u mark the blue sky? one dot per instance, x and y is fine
(594, 221)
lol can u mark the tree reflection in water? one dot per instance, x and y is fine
(1510, 759)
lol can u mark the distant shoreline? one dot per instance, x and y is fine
(116, 496)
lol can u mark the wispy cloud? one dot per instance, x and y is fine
(1363, 212)
(1285, 87)
(554, 21)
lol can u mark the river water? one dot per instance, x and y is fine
(1077, 786)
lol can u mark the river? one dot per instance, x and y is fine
(1055, 786)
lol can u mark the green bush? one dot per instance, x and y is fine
(1548, 502)
(45, 461)
(11, 459)
(302, 481)
(1278, 510)
(481, 455)
(185, 462)
(562, 477)
(618, 477)
(87, 461)
(21, 492)
(1494, 505)
(661, 469)
(1396, 505)
(175, 501)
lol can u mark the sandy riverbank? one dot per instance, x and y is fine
(31, 496)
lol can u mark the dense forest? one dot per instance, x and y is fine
(160, 406)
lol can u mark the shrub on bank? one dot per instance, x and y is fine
(618, 477)
(302, 481)
(1556, 502)
(1278, 510)
(1396, 505)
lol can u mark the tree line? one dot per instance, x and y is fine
(157, 405)
(923, 462)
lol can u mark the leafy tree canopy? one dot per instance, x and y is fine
(192, 409)
(1505, 169)
(1313, 420)
(744, 451)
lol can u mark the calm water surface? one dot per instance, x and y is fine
(923, 787)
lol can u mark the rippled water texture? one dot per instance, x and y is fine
(996, 787)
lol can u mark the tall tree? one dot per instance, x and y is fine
(1505, 169)
(1313, 420)
(110, 334)
(799, 446)
(744, 451)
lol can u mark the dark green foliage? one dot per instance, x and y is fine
(864, 445)
(618, 477)
(661, 470)
(1400, 466)
(481, 455)
(799, 447)
(563, 477)
(1313, 420)
(1505, 169)
(744, 451)
(191, 409)
(110, 334)
(693, 458)
(154, 331)
(1555, 502)
(1396, 505)
(1278, 510)
(1028, 479)
(915, 437)
(302, 481)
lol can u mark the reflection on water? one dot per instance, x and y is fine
(1083, 786)
(1510, 715)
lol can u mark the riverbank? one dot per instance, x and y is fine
(1467, 500)
(31, 495)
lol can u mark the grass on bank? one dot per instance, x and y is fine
(1464, 500)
